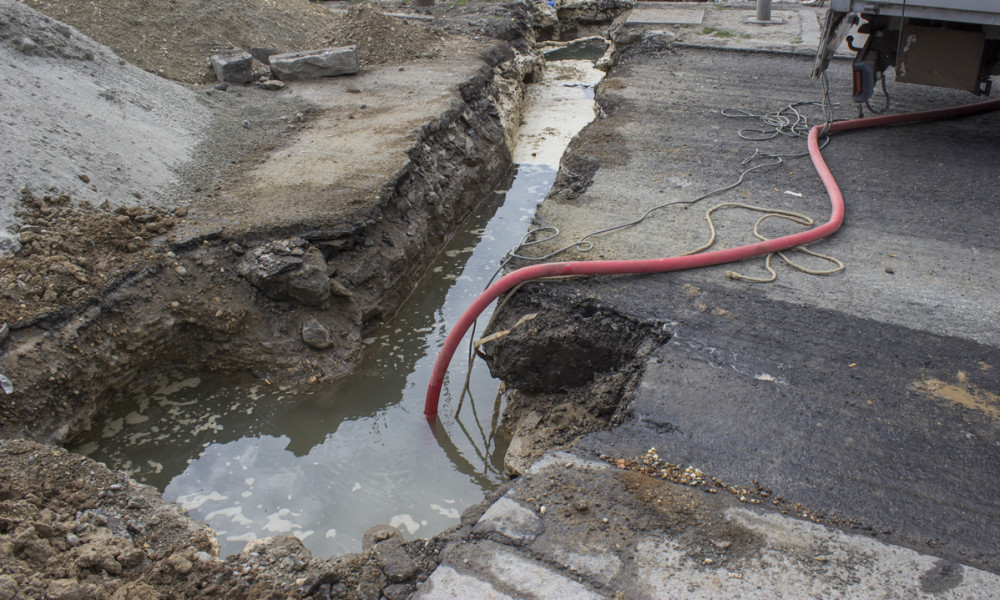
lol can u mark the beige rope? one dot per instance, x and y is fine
(769, 213)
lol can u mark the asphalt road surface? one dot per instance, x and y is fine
(872, 395)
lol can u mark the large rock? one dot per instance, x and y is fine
(325, 62)
(233, 66)
(288, 270)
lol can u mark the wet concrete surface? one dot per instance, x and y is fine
(868, 398)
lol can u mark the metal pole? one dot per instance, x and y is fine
(764, 10)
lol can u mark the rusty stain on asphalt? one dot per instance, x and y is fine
(960, 393)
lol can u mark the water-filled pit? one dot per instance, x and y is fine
(326, 461)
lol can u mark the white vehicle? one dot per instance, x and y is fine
(944, 43)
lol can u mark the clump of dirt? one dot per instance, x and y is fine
(70, 528)
(382, 39)
(175, 38)
(71, 252)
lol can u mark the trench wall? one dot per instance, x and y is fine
(191, 311)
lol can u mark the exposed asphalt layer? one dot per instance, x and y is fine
(872, 395)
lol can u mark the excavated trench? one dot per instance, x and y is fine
(321, 436)
(324, 460)
(327, 460)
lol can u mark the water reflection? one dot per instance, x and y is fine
(326, 461)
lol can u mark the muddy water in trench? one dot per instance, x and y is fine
(326, 461)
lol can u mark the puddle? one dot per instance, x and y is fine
(588, 49)
(327, 461)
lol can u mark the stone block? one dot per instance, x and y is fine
(325, 62)
(233, 66)
(288, 270)
(511, 520)
(263, 54)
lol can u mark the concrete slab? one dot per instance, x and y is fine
(653, 14)
(804, 560)
(615, 533)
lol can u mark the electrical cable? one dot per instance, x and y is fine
(885, 92)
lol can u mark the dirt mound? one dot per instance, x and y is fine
(69, 528)
(174, 39)
(383, 39)
(69, 253)
(76, 119)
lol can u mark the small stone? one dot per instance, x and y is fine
(222, 86)
(316, 335)
(181, 212)
(379, 533)
(180, 270)
(397, 591)
(246, 124)
(8, 587)
(396, 563)
(73, 540)
(272, 84)
(84, 178)
(68, 589)
(26, 45)
(179, 564)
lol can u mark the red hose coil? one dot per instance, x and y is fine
(680, 263)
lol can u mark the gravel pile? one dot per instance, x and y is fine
(76, 119)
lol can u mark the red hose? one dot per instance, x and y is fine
(680, 263)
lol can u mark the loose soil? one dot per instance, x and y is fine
(382, 39)
(72, 529)
(70, 253)
(175, 39)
